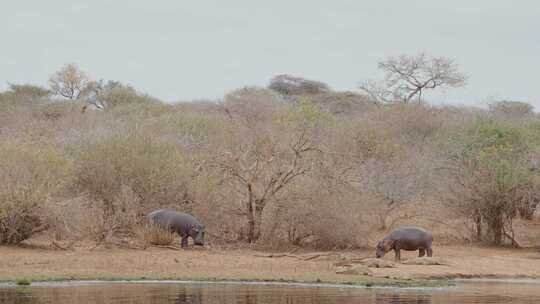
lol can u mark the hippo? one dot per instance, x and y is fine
(406, 238)
(182, 223)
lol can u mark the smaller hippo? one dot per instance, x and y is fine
(406, 238)
(185, 225)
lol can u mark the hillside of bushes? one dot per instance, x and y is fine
(294, 163)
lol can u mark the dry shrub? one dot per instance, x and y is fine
(343, 103)
(54, 111)
(139, 112)
(30, 176)
(18, 221)
(322, 221)
(251, 105)
(411, 124)
(62, 222)
(115, 221)
(188, 130)
(124, 177)
(156, 172)
(153, 234)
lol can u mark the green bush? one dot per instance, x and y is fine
(119, 94)
(491, 177)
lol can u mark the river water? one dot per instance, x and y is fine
(214, 293)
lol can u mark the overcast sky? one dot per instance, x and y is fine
(181, 50)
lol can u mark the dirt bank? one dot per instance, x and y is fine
(215, 264)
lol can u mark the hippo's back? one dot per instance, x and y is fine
(172, 219)
(412, 237)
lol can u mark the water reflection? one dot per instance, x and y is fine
(178, 293)
(402, 298)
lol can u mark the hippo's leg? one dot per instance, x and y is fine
(184, 242)
(398, 254)
(429, 252)
(421, 252)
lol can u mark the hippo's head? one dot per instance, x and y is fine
(197, 233)
(383, 247)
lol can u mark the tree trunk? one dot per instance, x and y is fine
(497, 230)
(478, 226)
(251, 225)
(250, 216)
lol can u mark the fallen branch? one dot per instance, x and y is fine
(58, 246)
(515, 244)
(168, 246)
(290, 255)
(317, 255)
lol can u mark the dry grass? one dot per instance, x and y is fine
(153, 234)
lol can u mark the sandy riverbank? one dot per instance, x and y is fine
(246, 264)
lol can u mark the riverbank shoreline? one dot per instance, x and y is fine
(358, 282)
(249, 265)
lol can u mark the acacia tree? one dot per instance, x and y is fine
(407, 77)
(69, 82)
(291, 85)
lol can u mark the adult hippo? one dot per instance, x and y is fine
(182, 223)
(406, 238)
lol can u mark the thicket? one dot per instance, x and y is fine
(279, 166)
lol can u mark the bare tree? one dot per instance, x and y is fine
(407, 77)
(259, 170)
(93, 95)
(69, 81)
(391, 184)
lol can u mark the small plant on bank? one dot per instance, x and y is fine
(23, 282)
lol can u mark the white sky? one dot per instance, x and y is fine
(181, 50)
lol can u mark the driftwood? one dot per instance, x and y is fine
(306, 257)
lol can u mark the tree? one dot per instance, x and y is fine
(69, 81)
(259, 171)
(290, 85)
(22, 93)
(407, 77)
(515, 109)
(391, 184)
(490, 179)
(29, 91)
(262, 162)
(252, 105)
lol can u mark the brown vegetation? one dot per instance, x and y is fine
(292, 164)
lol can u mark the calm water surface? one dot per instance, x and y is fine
(175, 292)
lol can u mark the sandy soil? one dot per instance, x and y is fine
(161, 263)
